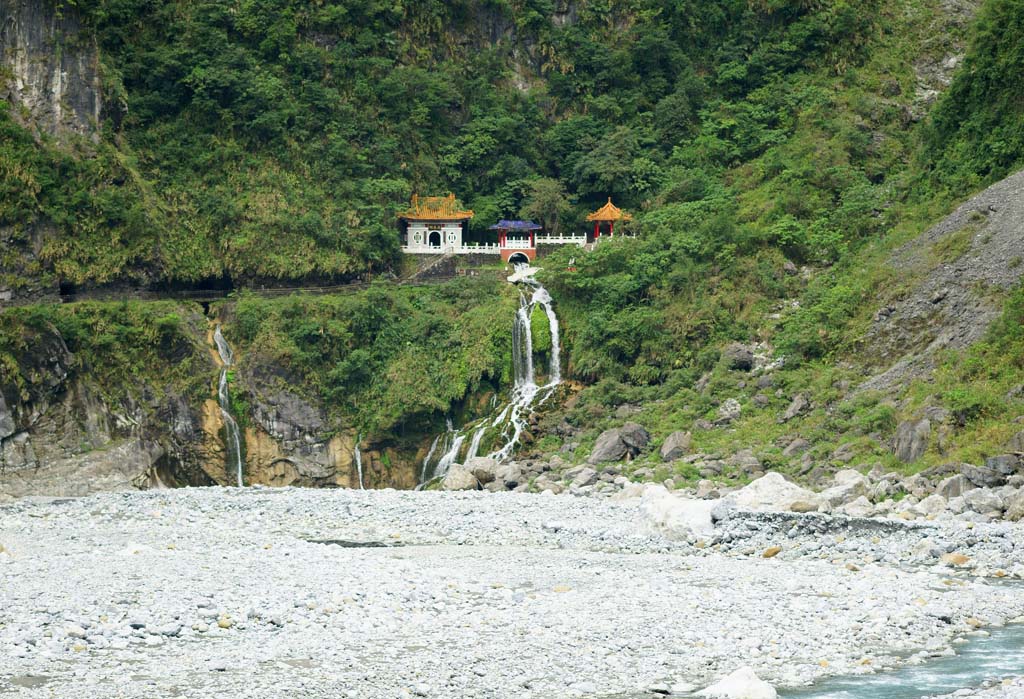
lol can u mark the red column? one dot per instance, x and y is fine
(611, 229)
(597, 229)
(532, 244)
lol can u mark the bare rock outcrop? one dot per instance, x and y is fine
(59, 435)
(49, 67)
(949, 308)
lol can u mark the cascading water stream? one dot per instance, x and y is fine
(450, 456)
(430, 455)
(474, 446)
(525, 392)
(358, 457)
(234, 442)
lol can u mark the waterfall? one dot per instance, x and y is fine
(474, 446)
(522, 345)
(450, 456)
(525, 392)
(426, 460)
(542, 298)
(358, 456)
(234, 445)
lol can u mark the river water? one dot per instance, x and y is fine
(993, 657)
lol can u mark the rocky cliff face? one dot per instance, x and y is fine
(49, 68)
(289, 441)
(954, 267)
(61, 437)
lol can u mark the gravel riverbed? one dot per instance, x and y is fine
(315, 593)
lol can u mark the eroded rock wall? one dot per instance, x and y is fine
(60, 436)
(50, 68)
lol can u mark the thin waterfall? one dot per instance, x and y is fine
(358, 456)
(234, 442)
(450, 456)
(430, 455)
(525, 394)
(474, 446)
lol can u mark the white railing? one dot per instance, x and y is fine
(481, 249)
(543, 239)
(470, 249)
(510, 244)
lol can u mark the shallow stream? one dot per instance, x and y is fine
(986, 658)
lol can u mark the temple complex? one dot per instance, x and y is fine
(435, 225)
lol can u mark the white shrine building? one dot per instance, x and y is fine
(434, 225)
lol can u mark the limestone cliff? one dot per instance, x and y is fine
(49, 68)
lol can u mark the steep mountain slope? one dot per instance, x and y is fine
(274, 140)
(781, 160)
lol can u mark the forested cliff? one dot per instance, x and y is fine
(774, 154)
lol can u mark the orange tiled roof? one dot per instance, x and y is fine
(435, 208)
(609, 212)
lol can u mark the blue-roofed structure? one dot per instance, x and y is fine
(506, 225)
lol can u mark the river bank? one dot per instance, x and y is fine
(256, 592)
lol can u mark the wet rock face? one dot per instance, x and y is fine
(7, 426)
(50, 68)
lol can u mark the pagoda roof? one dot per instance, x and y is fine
(609, 212)
(436, 208)
(506, 225)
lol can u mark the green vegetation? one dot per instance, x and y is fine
(974, 136)
(385, 357)
(981, 386)
(117, 346)
(773, 154)
(273, 139)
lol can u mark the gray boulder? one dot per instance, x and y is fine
(1004, 464)
(586, 476)
(545, 483)
(738, 356)
(634, 436)
(745, 461)
(459, 478)
(676, 446)
(509, 475)
(797, 446)
(1016, 443)
(797, 406)
(728, 411)
(983, 501)
(608, 447)
(954, 486)
(847, 486)
(616, 443)
(1015, 506)
(482, 468)
(982, 477)
(912, 440)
